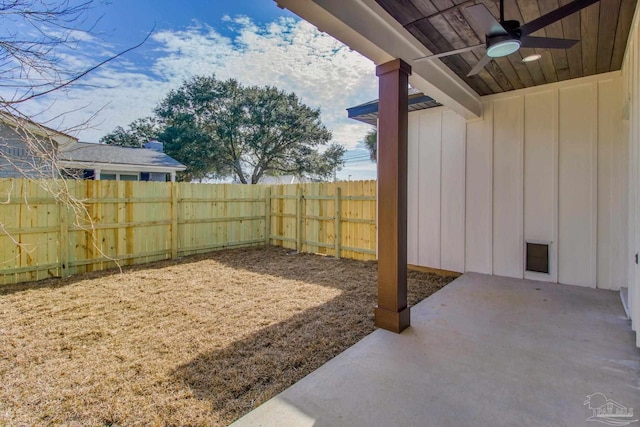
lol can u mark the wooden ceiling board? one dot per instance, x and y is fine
(501, 77)
(589, 28)
(402, 10)
(559, 56)
(538, 74)
(542, 71)
(486, 76)
(625, 17)
(507, 69)
(425, 6)
(609, 10)
(529, 11)
(461, 26)
(441, 24)
(442, 4)
(571, 29)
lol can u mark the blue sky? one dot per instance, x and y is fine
(251, 40)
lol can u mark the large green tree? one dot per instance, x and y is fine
(221, 128)
(138, 133)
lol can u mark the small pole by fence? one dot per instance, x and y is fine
(267, 217)
(337, 224)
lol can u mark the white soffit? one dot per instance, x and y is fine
(368, 29)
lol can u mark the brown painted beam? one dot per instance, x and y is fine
(392, 312)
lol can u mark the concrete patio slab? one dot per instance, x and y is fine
(483, 351)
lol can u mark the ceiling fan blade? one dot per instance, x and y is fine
(487, 22)
(547, 42)
(479, 66)
(451, 52)
(555, 15)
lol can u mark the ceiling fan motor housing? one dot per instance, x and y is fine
(500, 45)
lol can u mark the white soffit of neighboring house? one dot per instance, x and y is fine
(118, 167)
(368, 29)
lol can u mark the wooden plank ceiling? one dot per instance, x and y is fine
(444, 25)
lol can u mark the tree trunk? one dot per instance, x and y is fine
(255, 177)
(239, 172)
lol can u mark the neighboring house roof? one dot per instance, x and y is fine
(368, 112)
(113, 157)
(37, 129)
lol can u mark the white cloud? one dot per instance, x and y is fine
(289, 54)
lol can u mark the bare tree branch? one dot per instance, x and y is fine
(35, 37)
(82, 74)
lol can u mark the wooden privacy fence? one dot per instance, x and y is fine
(125, 223)
(337, 219)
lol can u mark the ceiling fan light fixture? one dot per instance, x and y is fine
(503, 48)
(532, 58)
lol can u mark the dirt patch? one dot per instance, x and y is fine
(200, 341)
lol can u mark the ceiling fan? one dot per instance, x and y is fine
(503, 38)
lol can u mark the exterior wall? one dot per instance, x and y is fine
(91, 174)
(631, 126)
(436, 189)
(546, 164)
(16, 160)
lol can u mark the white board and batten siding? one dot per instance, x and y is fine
(543, 165)
(436, 189)
(631, 130)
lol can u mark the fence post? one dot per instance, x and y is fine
(64, 239)
(174, 220)
(267, 217)
(299, 219)
(129, 231)
(337, 226)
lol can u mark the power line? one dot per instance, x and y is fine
(358, 155)
(357, 159)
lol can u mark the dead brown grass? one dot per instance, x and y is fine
(200, 341)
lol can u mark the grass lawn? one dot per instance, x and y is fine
(199, 341)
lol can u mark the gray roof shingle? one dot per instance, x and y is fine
(101, 153)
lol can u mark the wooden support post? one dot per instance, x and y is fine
(337, 224)
(63, 245)
(267, 217)
(129, 230)
(299, 219)
(120, 242)
(174, 220)
(392, 312)
(92, 210)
